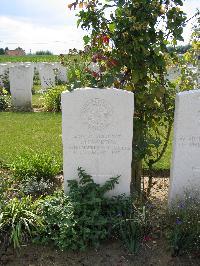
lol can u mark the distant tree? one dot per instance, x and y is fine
(44, 52)
(180, 49)
(2, 52)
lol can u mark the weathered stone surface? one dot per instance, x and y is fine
(97, 135)
(21, 80)
(61, 72)
(47, 75)
(173, 73)
(3, 69)
(185, 170)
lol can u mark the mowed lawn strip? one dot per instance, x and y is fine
(24, 132)
(29, 58)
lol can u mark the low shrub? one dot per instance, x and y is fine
(5, 81)
(76, 65)
(184, 224)
(87, 216)
(133, 226)
(34, 187)
(3, 99)
(19, 219)
(35, 173)
(52, 98)
(38, 166)
(83, 219)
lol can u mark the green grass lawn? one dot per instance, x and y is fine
(24, 132)
(164, 163)
(29, 58)
(39, 132)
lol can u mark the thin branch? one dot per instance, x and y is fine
(165, 145)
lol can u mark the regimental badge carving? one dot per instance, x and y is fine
(97, 113)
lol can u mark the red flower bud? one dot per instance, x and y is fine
(105, 39)
(95, 74)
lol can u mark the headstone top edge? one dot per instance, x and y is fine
(98, 89)
(190, 92)
(20, 66)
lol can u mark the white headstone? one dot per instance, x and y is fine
(185, 170)
(173, 73)
(47, 75)
(97, 131)
(3, 69)
(21, 80)
(62, 73)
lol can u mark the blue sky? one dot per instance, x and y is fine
(49, 24)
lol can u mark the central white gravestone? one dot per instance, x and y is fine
(185, 170)
(21, 81)
(97, 131)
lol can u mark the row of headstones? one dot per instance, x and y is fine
(97, 135)
(21, 80)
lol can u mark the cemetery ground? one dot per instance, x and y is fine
(154, 238)
(40, 133)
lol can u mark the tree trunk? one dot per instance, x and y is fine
(136, 175)
(136, 167)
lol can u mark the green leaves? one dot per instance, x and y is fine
(20, 218)
(111, 27)
(35, 165)
(52, 98)
(86, 39)
(84, 215)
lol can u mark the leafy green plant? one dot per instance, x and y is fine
(184, 224)
(35, 167)
(3, 99)
(84, 217)
(34, 187)
(52, 98)
(6, 188)
(132, 228)
(6, 81)
(87, 216)
(20, 219)
(58, 213)
(78, 69)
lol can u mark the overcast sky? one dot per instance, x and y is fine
(49, 25)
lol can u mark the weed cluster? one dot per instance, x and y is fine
(35, 173)
(184, 223)
(52, 98)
